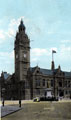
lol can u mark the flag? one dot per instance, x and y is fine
(53, 51)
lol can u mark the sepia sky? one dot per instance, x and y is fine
(48, 25)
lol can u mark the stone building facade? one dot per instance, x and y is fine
(30, 82)
(43, 79)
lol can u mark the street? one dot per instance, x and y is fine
(42, 111)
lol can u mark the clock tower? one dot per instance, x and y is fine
(22, 54)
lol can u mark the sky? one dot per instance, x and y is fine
(48, 26)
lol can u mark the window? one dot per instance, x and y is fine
(47, 85)
(51, 83)
(38, 92)
(68, 83)
(65, 83)
(60, 84)
(66, 92)
(38, 82)
(37, 71)
(26, 84)
(43, 82)
(21, 29)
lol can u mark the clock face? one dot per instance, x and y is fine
(24, 55)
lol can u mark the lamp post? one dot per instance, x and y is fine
(3, 95)
(20, 94)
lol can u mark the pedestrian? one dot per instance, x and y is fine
(19, 103)
(3, 102)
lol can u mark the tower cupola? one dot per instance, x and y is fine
(21, 26)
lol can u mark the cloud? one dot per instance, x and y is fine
(34, 59)
(65, 49)
(39, 52)
(65, 53)
(11, 28)
(2, 36)
(7, 61)
(10, 31)
(65, 41)
(13, 25)
(7, 55)
(42, 51)
(11, 54)
(50, 32)
(34, 30)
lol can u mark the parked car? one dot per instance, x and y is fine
(37, 99)
(43, 98)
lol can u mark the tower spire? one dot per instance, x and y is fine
(21, 21)
(21, 26)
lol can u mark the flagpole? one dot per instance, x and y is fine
(53, 51)
(52, 55)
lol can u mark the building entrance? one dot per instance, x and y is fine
(61, 93)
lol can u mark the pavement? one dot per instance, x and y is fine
(6, 110)
(42, 111)
(36, 110)
(11, 107)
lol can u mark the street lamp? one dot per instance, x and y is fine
(20, 94)
(3, 95)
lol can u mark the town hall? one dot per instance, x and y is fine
(30, 82)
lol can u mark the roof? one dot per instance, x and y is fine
(32, 69)
(6, 75)
(46, 71)
(49, 71)
(67, 74)
(43, 71)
